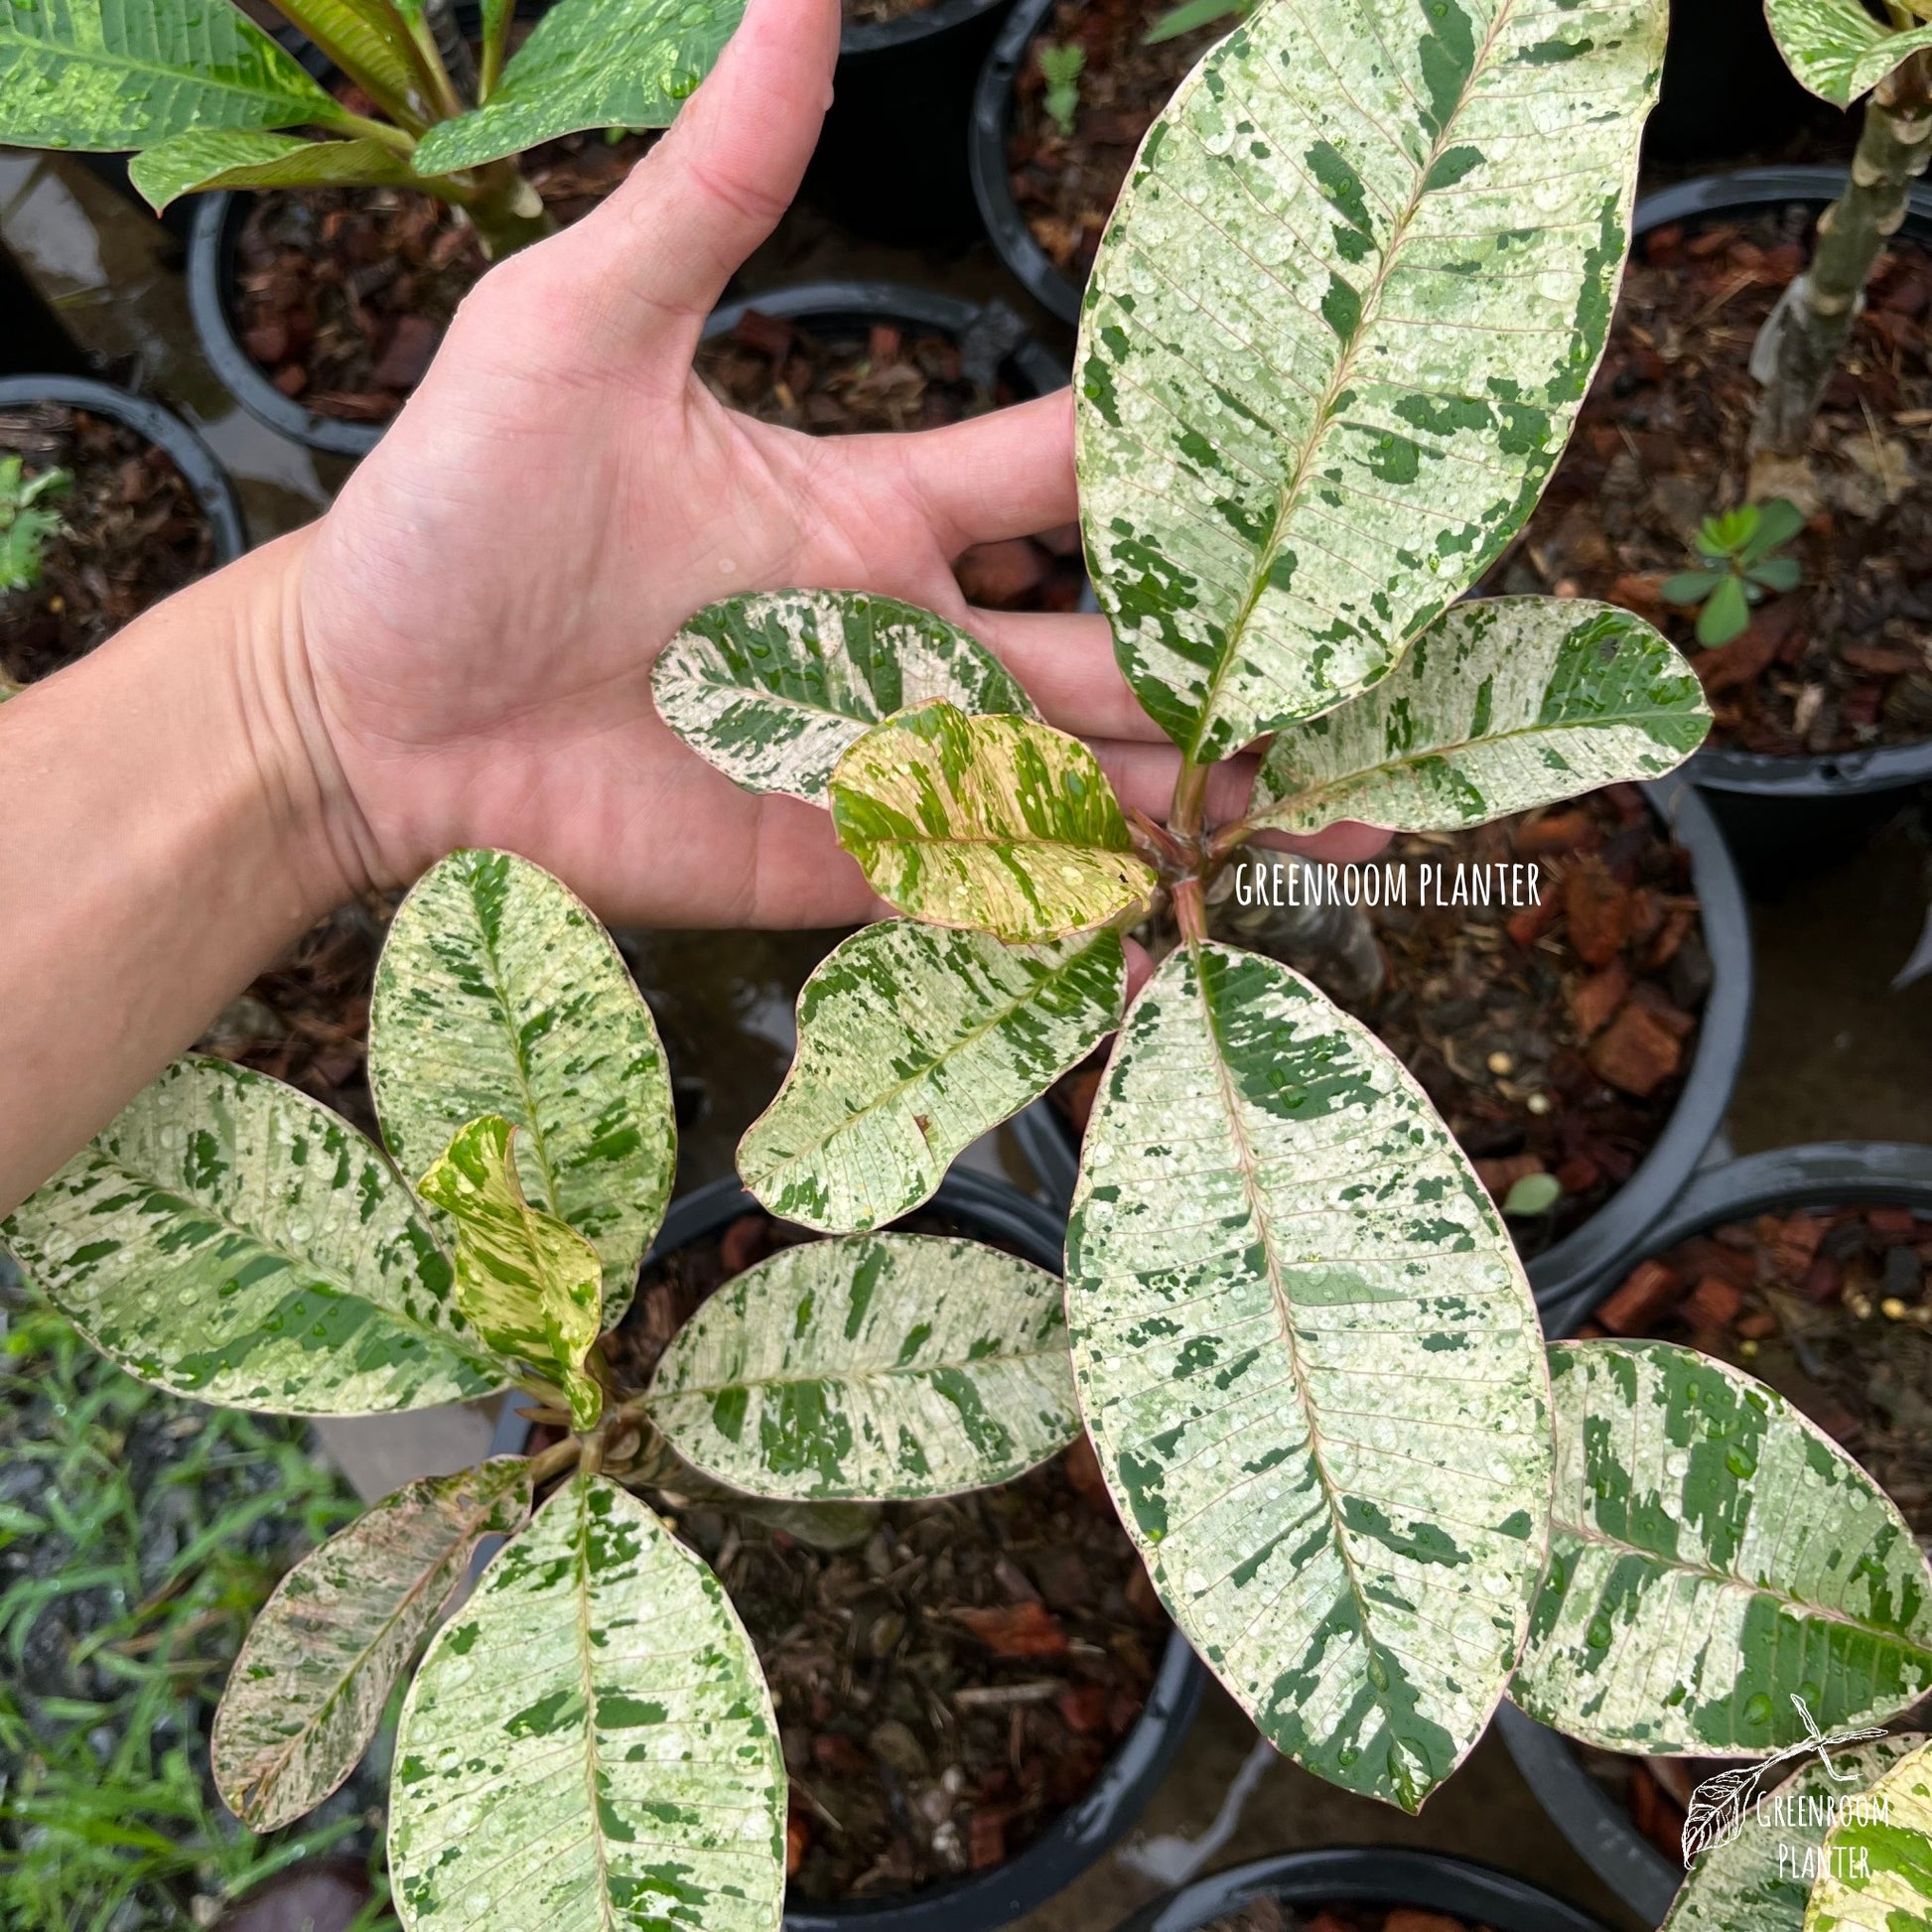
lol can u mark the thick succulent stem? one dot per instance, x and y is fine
(1806, 334)
(505, 210)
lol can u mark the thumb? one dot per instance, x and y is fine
(670, 239)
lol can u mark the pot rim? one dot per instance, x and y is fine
(199, 465)
(986, 157)
(952, 315)
(980, 1901)
(1826, 774)
(1613, 1234)
(868, 37)
(1367, 1875)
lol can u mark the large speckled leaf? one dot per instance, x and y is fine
(126, 73)
(1711, 1554)
(1337, 331)
(307, 1689)
(773, 688)
(995, 824)
(527, 1282)
(1877, 1864)
(1312, 1369)
(499, 993)
(239, 158)
(877, 1366)
(1837, 49)
(1497, 708)
(231, 1239)
(912, 1043)
(1758, 1880)
(589, 1743)
(589, 63)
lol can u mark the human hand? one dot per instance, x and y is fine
(480, 612)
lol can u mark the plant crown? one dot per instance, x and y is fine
(1336, 335)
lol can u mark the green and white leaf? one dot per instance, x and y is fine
(1713, 1553)
(589, 63)
(1878, 1866)
(1497, 708)
(589, 1742)
(231, 1239)
(186, 164)
(997, 824)
(527, 1282)
(773, 688)
(1835, 49)
(1760, 1880)
(869, 1368)
(912, 1043)
(108, 74)
(1310, 1366)
(308, 1691)
(1337, 331)
(499, 993)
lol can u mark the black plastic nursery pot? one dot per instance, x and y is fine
(991, 330)
(1615, 1232)
(213, 491)
(981, 1901)
(1786, 816)
(986, 155)
(1367, 1876)
(890, 162)
(1826, 1175)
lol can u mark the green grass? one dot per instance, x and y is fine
(139, 1535)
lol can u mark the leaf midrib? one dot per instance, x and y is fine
(1288, 496)
(587, 1681)
(1042, 1353)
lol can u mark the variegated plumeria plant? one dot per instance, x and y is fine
(205, 95)
(1841, 52)
(1336, 337)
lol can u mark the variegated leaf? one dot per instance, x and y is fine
(1337, 331)
(588, 64)
(1837, 49)
(1877, 1872)
(231, 1239)
(1712, 1553)
(997, 824)
(912, 1043)
(307, 1689)
(771, 688)
(589, 1743)
(527, 1282)
(1760, 1880)
(1497, 708)
(499, 993)
(877, 1366)
(236, 157)
(1309, 1363)
(108, 74)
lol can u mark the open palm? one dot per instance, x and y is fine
(480, 610)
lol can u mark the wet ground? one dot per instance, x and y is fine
(1834, 1053)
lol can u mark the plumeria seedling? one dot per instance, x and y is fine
(1743, 562)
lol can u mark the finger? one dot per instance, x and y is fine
(1065, 664)
(1007, 473)
(671, 237)
(1140, 966)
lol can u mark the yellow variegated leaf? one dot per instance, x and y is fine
(995, 824)
(527, 1282)
(1877, 1872)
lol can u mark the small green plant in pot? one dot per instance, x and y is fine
(1336, 338)
(1741, 562)
(27, 521)
(206, 95)
(1841, 52)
